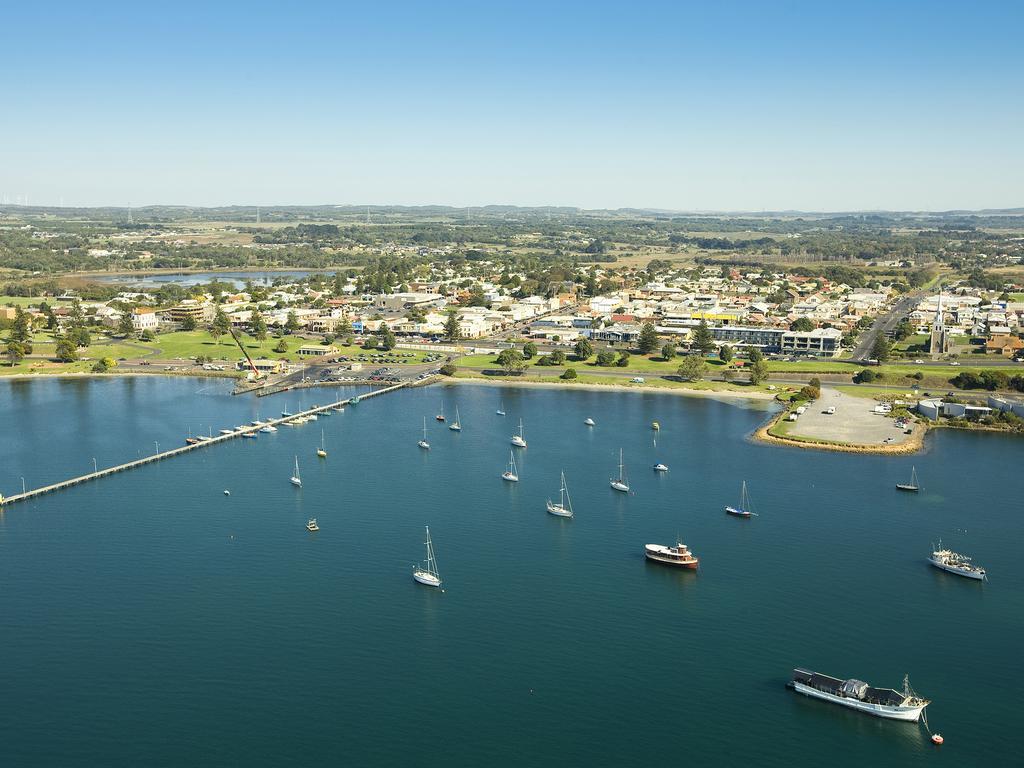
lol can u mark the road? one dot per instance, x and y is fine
(884, 324)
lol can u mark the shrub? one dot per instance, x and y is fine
(569, 373)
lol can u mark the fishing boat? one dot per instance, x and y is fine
(268, 428)
(501, 408)
(428, 573)
(619, 483)
(296, 478)
(953, 562)
(659, 467)
(564, 506)
(456, 426)
(856, 694)
(517, 439)
(678, 556)
(912, 486)
(655, 426)
(423, 443)
(743, 510)
(312, 525)
(510, 474)
(589, 422)
(322, 450)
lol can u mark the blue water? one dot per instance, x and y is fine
(238, 279)
(147, 619)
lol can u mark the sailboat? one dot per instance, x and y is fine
(564, 506)
(296, 479)
(620, 484)
(517, 439)
(456, 426)
(743, 510)
(912, 486)
(501, 408)
(322, 450)
(423, 443)
(440, 415)
(510, 474)
(428, 574)
(588, 421)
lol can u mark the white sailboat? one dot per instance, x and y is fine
(517, 439)
(564, 506)
(322, 450)
(296, 478)
(588, 421)
(619, 483)
(912, 486)
(423, 443)
(501, 408)
(456, 426)
(743, 510)
(428, 574)
(511, 473)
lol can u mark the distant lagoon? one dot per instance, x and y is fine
(238, 279)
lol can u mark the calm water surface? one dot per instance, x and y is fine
(147, 619)
(238, 279)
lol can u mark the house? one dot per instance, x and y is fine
(145, 319)
(1004, 344)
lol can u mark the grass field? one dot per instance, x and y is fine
(25, 301)
(585, 377)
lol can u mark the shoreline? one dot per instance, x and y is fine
(725, 394)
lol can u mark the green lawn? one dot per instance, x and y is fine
(589, 377)
(26, 301)
(638, 363)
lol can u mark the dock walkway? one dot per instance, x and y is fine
(31, 494)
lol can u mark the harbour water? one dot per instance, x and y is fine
(238, 279)
(148, 619)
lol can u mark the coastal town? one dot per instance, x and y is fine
(685, 327)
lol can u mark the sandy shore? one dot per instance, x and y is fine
(725, 394)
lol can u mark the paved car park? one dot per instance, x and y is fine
(854, 421)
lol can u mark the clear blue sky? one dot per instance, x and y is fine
(691, 106)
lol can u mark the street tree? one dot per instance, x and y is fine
(668, 352)
(648, 340)
(512, 361)
(583, 349)
(702, 340)
(692, 368)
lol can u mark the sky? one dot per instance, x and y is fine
(728, 106)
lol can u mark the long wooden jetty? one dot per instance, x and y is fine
(5, 500)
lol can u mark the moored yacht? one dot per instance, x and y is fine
(619, 483)
(312, 525)
(511, 473)
(456, 426)
(659, 467)
(517, 439)
(588, 421)
(961, 565)
(427, 573)
(423, 443)
(856, 694)
(296, 479)
(268, 428)
(678, 556)
(564, 506)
